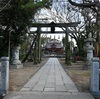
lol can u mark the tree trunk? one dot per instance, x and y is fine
(30, 49)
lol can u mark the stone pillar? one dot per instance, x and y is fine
(16, 63)
(95, 77)
(4, 82)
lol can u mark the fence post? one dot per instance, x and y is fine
(95, 71)
(4, 85)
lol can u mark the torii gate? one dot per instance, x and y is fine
(53, 25)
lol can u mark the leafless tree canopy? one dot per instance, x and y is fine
(86, 4)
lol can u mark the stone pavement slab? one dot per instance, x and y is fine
(49, 95)
(50, 82)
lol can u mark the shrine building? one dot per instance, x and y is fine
(54, 46)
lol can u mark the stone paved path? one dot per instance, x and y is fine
(51, 77)
(50, 82)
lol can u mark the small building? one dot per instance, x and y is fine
(54, 47)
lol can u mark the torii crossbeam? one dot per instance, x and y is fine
(53, 25)
(72, 24)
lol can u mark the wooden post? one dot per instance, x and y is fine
(67, 49)
(38, 48)
(66, 46)
(35, 53)
(39, 45)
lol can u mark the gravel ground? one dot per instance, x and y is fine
(80, 77)
(19, 77)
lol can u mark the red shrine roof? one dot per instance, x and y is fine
(54, 44)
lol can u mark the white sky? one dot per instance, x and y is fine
(54, 35)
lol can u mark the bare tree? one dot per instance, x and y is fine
(86, 3)
(4, 4)
(94, 5)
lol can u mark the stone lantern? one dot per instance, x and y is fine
(16, 63)
(89, 49)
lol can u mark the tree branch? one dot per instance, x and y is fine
(88, 5)
(5, 5)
